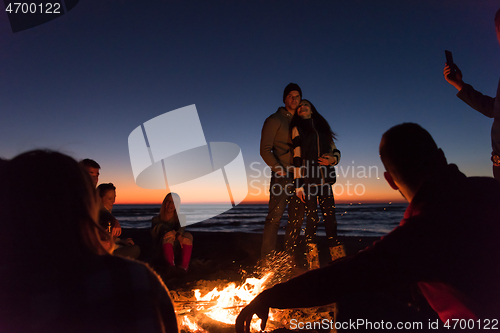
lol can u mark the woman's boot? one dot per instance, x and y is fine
(186, 256)
(168, 253)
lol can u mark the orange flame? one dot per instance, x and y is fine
(224, 305)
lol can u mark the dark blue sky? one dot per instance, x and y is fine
(81, 83)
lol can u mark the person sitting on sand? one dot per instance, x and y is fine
(447, 242)
(56, 275)
(314, 157)
(120, 247)
(92, 168)
(168, 233)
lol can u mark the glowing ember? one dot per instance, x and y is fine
(191, 326)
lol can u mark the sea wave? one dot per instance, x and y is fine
(352, 219)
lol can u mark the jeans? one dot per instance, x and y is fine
(327, 203)
(282, 193)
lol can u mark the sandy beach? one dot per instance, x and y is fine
(231, 256)
(222, 255)
(219, 256)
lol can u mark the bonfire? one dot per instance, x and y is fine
(213, 306)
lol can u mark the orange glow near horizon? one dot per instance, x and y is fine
(379, 192)
(354, 185)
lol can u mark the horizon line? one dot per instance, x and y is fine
(341, 202)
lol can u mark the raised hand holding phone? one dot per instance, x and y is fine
(451, 72)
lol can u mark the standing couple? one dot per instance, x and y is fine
(297, 144)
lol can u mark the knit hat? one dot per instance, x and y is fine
(291, 87)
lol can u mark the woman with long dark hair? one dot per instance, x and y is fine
(314, 158)
(56, 276)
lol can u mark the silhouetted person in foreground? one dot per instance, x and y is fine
(487, 105)
(447, 242)
(55, 274)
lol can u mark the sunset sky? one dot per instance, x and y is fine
(83, 82)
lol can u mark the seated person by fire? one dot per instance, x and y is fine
(169, 235)
(446, 243)
(118, 246)
(58, 276)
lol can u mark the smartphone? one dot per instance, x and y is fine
(449, 61)
(449, 57)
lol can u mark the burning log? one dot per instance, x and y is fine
(214, 305)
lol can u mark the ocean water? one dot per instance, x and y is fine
(353, 219)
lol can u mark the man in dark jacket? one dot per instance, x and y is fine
(447, 242)
(275, 149)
